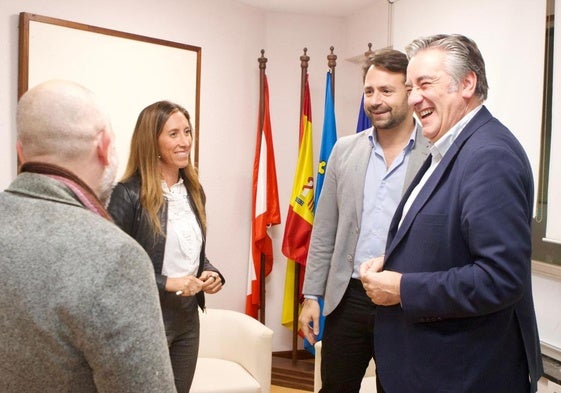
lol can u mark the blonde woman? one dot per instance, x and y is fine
(161, 204)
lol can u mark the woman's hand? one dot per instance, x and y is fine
(184, 286)
(212, 282)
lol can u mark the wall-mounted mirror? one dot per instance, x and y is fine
(126, 71)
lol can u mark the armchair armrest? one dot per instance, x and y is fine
(231, 335)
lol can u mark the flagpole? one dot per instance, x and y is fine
(262, 66)
(369, 52)
(304, 59)
(332, 63)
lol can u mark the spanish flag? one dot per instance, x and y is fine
(265, 208)
(300, 217)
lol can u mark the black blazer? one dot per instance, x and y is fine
(130, 216)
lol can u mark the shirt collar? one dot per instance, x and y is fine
(412, 138)
(175, 188)
(442, 145)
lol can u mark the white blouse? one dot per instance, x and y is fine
(184, 237)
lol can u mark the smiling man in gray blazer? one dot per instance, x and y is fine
(365, 179)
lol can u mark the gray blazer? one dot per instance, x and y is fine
(336, 228)
(79, 308)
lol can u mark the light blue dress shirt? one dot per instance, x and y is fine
(383, 189)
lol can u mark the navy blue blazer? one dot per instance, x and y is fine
(467, 321)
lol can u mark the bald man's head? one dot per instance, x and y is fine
(59, 120)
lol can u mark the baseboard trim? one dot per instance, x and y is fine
(300, 354)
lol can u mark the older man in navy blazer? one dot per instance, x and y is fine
(455, 281)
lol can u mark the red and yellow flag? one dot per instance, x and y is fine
(300, 217)
(265, 208)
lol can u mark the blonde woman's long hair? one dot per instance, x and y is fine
(143, 161)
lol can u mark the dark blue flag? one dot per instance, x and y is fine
(363, 120)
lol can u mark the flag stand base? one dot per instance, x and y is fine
(290, 374)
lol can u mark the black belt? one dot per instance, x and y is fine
(356, 284)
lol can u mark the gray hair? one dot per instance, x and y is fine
(59, 119)
(462, 56)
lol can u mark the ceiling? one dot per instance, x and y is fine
(338, 8)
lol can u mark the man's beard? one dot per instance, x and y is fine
(396, 118)
(108, 178)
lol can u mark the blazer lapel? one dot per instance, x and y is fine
(396, 234)
(418, 155)
(399, 211)
(361, 162)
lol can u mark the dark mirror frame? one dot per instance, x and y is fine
(543, 250)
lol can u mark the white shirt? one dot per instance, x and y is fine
(184, 237)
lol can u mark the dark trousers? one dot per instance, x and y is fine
(348, 342)
(181, 320)
(183, 353)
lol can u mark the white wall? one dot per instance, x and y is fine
(547, 292)
(231, 36)
(509, 33)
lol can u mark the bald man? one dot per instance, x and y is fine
(79, 308)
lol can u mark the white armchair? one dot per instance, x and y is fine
(235, 354)
(368, 382)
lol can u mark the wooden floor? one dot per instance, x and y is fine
(282, 389)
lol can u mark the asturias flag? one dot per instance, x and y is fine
(265, 208)
(300, 215)
(329, 134)
(328, 139)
